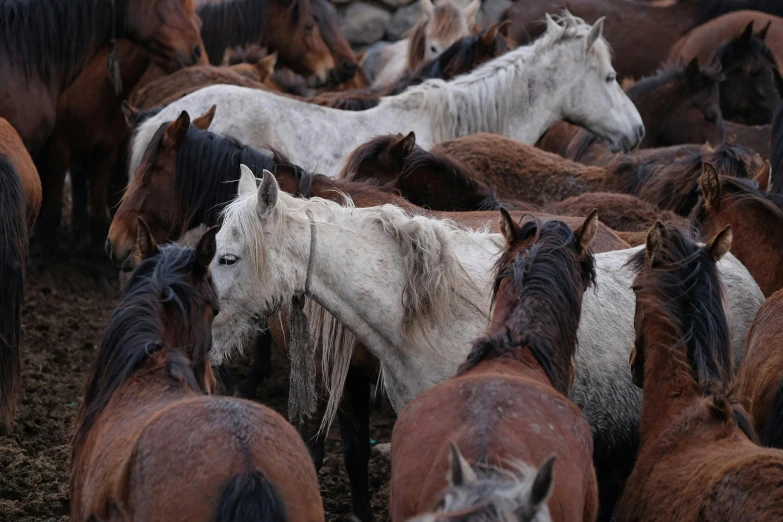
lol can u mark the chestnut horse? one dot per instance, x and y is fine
(698, 459)
(756, 217)
(20, 200)
(508, 406)
(148, 445)
(35, 70)
(760, 379)
(679, 104)
(641, 35)
(285, 26)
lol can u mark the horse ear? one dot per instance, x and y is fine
(267, 194)
(247, 180)
(706, 151)
(130, 113)
(205, 250)
(427, 8)
(461, 473)
(144, 240)
(203, 121)
(470, 11)
(654, 242)
(595, 33)
(763, 33)
(586, 233)
(551, 25)
(488, 38)
(747, 33)
(504, 28)
(404, 145)
(508, 227)
(710, 184)
(542, 484)
(267, 64)
(763, 177)
(177, 130)
(720, 244)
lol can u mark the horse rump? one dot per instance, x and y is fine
(13, 257)
(773, 431)
(250, 497)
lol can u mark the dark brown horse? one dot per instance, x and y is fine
(507, 409)
(345, 60)
(285, 26)
(698, 459)
(36, 70)
(148, 443)
(679, 104)
(760, 379)
(20, 199)
(640, 35)
(756, 216)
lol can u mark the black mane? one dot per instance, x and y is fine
(549, 280)
(232, 23)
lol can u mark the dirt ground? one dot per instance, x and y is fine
(62, 330)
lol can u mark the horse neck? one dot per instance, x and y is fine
(108, 22)
(652, 108)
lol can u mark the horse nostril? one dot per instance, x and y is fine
(348, 69)
(107, 247)
(196, 53)
(640, 132)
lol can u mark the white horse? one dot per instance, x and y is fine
(566, 74)
(416, 292)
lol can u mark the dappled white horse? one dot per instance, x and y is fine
(565, 74)
(416, 292)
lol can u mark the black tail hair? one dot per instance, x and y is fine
(250, 497)
(13, 258)
(773, 432)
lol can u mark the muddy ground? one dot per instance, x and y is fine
(62, 330)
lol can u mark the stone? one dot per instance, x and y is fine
(396, 3)
(403, 19)
(371, 60)
(363, 24)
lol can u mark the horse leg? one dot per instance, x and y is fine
(262, 365)
(52, 163)
(79, 204)
(100, 176)
(314, 439)
(354, 419)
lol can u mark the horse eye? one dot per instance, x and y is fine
(433, 49)
(611, 78)
(228, 260)
(309, 28)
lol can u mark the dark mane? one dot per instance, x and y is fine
(366, 151)
(207, 176)
(134, 333)
(549, 281)
(46, 37)
(776, 145)
(755, 47)
(232, 23)
(710, 9)
(685, 287)
(744, 190)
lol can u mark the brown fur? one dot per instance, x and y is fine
(11, 145)
(620, 212)
(754, 137)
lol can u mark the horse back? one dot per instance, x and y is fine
(11, 145)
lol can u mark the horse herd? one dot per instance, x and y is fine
(506, 240)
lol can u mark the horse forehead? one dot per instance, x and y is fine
(603, 54)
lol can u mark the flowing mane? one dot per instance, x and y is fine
(135, 330)
(546, 276)
(70, 28)
(685, 288)
(446, 100)
(232, 23)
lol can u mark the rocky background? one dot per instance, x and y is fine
(366, 22)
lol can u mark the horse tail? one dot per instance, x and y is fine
(773, 432)
(249, 497)
(13, 257)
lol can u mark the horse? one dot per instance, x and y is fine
(508, 405)
(679, 104)
(346, 63)
(463, 56)
(438, 27)
(270, 242)
(287, 27)
(753, 214)
(698, 458)
(146, 396)
(759, 379)
(500, 96)
(753, 137)
(39, 70)
(20, 200)
(640, 34)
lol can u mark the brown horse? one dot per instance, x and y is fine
(346, 62)
(148, 445)
(640, 35)
(35, 70)
(753, 137)
(756, 217)
(285, 26)
(508, 406)
(20, 199)
(679, 104)
(697, 459)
